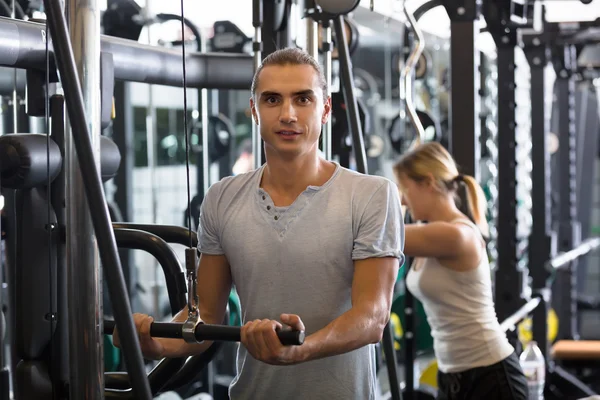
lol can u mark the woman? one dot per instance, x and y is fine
(451, 277)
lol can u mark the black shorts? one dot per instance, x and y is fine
(501, 381)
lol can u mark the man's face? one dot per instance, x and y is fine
(289, 109)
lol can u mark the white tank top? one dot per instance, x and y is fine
(460, 310)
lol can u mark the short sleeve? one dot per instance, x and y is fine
(209, 241)
(380, 230)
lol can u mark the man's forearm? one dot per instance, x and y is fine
(352, 330)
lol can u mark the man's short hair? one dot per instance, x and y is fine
(291, 56)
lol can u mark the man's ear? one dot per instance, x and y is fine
(326, 111)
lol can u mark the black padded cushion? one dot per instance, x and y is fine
(24, 160)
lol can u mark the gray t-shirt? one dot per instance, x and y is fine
(299, 260)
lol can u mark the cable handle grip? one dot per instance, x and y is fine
(210, 332)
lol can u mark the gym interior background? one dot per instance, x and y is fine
(464, 96)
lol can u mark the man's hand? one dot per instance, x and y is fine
(151, 348)
(260, 339)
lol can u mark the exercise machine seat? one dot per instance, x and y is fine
(576, 350)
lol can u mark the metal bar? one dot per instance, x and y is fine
(358, 144)
(95, 196)
(391, 362)
(542, 238)
(60, 356)
(328, 70)
(563, 259)
(168, 233)
(509, 278)
(569, 232)
(257, 22)
(23, 46)
(410, 323)
(7, 81)
(511, 322)
(122, 135)
(589, 127)
(408, 74)
(84, 279)
(312, 32)
(202, 332)
(165, 256)
(4, 367)
(206, 162)
(464, 102)
(424, 8)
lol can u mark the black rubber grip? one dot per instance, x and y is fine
(233, 334)
(166, 330)
(210, 332)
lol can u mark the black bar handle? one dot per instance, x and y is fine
(210, 332)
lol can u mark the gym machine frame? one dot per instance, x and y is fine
(543, 260)
(464, 105)
(24, 48)
(509, 275)
(95, 197)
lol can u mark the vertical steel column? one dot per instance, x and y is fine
(257, 22)
(347, 78)
(83, 266)
(312, 30)
(587, 145)
(123, 138)
(464, 82)
(542, 239)
(328, 70)
(569, 231)
(508, 277)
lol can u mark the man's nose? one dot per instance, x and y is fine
(288, 113)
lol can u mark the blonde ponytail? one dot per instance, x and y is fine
(477, 204)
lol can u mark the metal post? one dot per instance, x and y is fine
(509, 277)
(204, 116)
(257, 22)
(312, 31)
(569, 233)
(83, 266)
(328, 70)
(123, 138)
(588, 128)
(542, 241)
(464, 72)
(358, 144)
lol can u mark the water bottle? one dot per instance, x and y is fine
(534, 366)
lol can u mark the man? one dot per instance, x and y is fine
(308, 244)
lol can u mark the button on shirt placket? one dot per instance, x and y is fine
(276, 217)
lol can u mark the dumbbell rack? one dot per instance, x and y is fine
(489, 149)
(523, 156)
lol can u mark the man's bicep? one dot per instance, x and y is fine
(213, 287)
(373, 283)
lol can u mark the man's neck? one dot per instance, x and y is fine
(292, 176)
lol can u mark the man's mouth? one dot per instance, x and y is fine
(288, 133)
